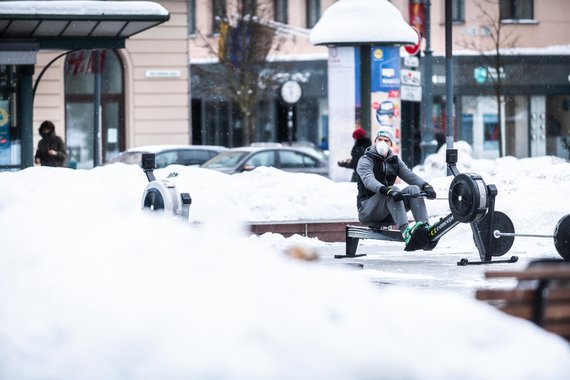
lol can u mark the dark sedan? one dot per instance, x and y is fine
(291, 159)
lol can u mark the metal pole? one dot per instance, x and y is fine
(428, 144)
(97, 143)
(365, 86)
(449, 74)
(290, 125)
(25, 114)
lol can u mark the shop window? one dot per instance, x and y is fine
(9, 133)
(491, 131)
(516, 9)
(83, 142)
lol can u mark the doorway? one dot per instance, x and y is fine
(83, 141)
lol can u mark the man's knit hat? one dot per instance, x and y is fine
(386, 132)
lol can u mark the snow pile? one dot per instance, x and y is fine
(93, 288)
(130, 295)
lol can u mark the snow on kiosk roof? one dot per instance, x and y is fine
(360, 22)
(56, 21)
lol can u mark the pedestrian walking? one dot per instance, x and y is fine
(51, 149)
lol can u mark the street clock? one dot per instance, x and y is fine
(291, 91)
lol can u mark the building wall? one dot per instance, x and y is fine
(551, 26)
(156, 108)
(159, 106)
(290, 45)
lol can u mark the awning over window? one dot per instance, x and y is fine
(77, 24)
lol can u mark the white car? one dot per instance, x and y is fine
(170, 154)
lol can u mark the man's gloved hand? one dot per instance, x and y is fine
(430, 192)
(413, 191)
(392, 192)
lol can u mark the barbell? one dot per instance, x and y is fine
(561, 234)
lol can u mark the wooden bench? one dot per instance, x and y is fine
(542, 295)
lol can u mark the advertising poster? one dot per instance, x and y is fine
(4, 132)
(357, 94)
(385, 91)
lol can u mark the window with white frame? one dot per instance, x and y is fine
(458, 10)
(516, 9)
(191, 17)
(218, 14)
(280, 11)
(313, 12)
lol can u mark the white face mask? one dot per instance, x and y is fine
(382, 148)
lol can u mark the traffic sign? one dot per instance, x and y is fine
(410, 77)
(411, 93)
(415, 48)
(411, 61)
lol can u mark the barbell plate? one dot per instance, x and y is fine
(501, 222)
(562, 237)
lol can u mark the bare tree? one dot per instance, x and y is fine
(245, 39)
(497, 39)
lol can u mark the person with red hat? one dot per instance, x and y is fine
(361, 142)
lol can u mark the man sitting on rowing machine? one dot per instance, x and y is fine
(378, 198)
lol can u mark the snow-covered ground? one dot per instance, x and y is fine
(93, 288)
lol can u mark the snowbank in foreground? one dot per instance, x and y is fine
(91, 294)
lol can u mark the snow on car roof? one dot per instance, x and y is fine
(160, 147)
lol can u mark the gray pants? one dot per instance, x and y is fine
(378, 207)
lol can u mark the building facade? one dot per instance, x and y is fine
(533, 96)
(216, 118)
(153, 90)
(530, 73)
(140, 90)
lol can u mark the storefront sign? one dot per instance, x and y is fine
(162, 74)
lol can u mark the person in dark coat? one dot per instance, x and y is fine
(378, 198)
(51, 148)
(360, 144)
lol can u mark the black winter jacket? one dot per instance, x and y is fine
(52, 141)
(375, 172)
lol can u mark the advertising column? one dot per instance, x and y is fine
(385, 91)
(342, 108)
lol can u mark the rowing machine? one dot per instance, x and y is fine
(470, 201)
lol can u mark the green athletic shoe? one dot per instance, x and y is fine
(417, 237)
(410, 230)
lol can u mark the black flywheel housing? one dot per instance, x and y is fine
(468, 199)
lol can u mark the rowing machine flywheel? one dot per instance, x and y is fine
(468, 200)
(161, 196)
(501, 222)
(562, 237)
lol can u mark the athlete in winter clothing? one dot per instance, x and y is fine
(378, 198)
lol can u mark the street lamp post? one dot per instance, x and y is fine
(428, 144)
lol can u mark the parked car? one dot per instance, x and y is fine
(170, 154)
(286, 158)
